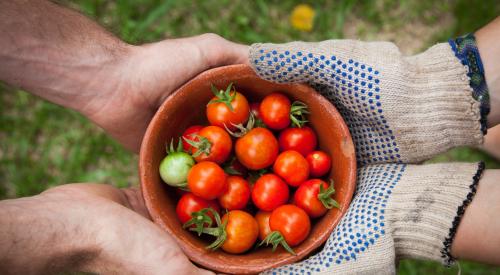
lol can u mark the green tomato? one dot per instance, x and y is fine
(174, 168)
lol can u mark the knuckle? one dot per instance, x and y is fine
(212, 37)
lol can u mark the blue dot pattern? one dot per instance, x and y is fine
(363, 224)
(354, 88)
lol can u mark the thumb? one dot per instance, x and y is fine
(187, 57)
(217, 51)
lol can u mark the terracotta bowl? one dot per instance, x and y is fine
(186, 107)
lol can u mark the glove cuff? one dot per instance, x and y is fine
(435, 109)
(465, 49)
(427, 206)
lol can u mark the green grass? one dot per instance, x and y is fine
(43, 145)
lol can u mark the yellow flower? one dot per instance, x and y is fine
(302, 17)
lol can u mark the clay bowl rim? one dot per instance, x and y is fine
(200, 259)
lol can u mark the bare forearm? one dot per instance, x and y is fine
(488, 39)
(56, 53)
(478, 237)
(36, 238)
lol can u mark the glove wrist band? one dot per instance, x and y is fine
(448, 259)
(465, 49)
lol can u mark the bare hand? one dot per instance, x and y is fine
(149, 74)
(115, 223)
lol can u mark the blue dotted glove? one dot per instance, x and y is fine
(399, 211)
(399, 109)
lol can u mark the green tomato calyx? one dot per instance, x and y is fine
(325, 196)
(202, 145)
(222, 96)
(230, 170)
(242, 130)
(219, 231)
(171, 149)
(199, 219)
(276, 238)
(298, 113)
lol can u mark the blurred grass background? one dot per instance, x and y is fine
(43, 145)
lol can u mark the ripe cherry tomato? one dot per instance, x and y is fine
(269, 192)
(190, 203)
(292, 167)
(242, 231)
(257, 149)
(262, 218)
(319, 163)
(255, 109)
(215, 147)
(309, 198)
(190, 134)
(292, 222)
(237, 193)
(207, 180)
(275, 111)
(219, 113)
(302, 140)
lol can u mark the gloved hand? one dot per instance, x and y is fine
(399, 109)
(399, 211)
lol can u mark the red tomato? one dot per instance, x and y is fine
(292, 167)
(308, 197)
(319, 163)
(190, 135)
(237, 193)
(269, 192)
(207, 180)
(262, 218)
(242, 231)
(302, 140)
(275, 111)
(220, 114)
(218, 147)
(255, 109)
(190, 203)
(257, 149)
(292, 222)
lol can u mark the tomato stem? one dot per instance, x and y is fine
(199, 219)
(225, 97)
(276, 238)
(219, 232)
(242, 130)
(171, 149)
(203, 145)
(298, 113)
(231, 171)
(325, 196)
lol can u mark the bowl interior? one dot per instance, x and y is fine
(187, 107)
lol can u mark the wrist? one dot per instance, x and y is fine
(487, 45)
(101, 80)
